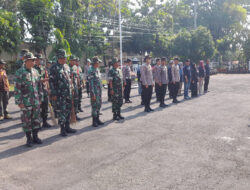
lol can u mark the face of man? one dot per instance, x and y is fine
(164, 62)
(158, 62)
(187, 63)
(72, 63)
(88, 63)
(116, 65)
(30, 63)
(176, 62)
(62, 61)
(148, 60)
(208, 61)
(129, 63)
(96, 65)
(38, 62)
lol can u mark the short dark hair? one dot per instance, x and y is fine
(158, 59)
(163, 59)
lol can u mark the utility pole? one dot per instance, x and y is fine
(195, 13)
(120, 26)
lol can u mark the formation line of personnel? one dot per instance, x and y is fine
(57, 87)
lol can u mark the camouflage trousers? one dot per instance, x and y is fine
(45, 108)
(117, 101)
(30, 118)
(76, 101)
(79, 97)
(64, 105)
(96, 106)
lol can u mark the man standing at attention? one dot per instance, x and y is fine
(175, 79)
(147, 83)
(127, 80)
(187, 78)
(28, 96)
(61, 91)
(95, 86)
(115, 81)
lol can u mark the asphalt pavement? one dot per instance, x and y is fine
(199, 144)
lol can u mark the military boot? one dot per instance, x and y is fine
(94, 122)
(80, 109)
(119, 115)
(46, 125)
(36, 139)
(63, 131)
(29, 139)
(115, 117)
(69, 129)
(98, 121)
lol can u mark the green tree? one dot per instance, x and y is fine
(39, 16)
(10, 32)
(202, 44)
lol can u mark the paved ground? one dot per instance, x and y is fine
(200, 144)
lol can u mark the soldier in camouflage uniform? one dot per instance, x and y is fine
(79, 84)
(115, 81)
(44, 79)
(95, 86)
(20, 62)
(61, 91)
(28, 96)
(74, 79)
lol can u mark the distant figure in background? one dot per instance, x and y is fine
(4, 92)
(127, 80)
(157, 79)
(86, 68)
(108, 68)
(147, 83)
(20, 62)
(194, 80)
(207, 76)
(170, 82)
(201, 76)
(187, 78)
(175, 79)
(181, 78)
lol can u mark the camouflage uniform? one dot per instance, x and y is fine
(20, 62)
(45, 103)
(115, 75)
(80, 86)
(95, 85)
(28, 91)
(73, 76)
(61, 88)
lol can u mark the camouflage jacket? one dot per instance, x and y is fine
(43, 75)
(74, 77)
(28, 90)
(59, 80)
(115, 75)
(95, 82)
(19, 64)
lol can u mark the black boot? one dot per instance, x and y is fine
(63, 131)
(119, 115)
(94, 122)
(115, 117)
(46, 125)
(98, 121)
(29, 139)
(69, 129)
(36, 139)
(80, 109)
